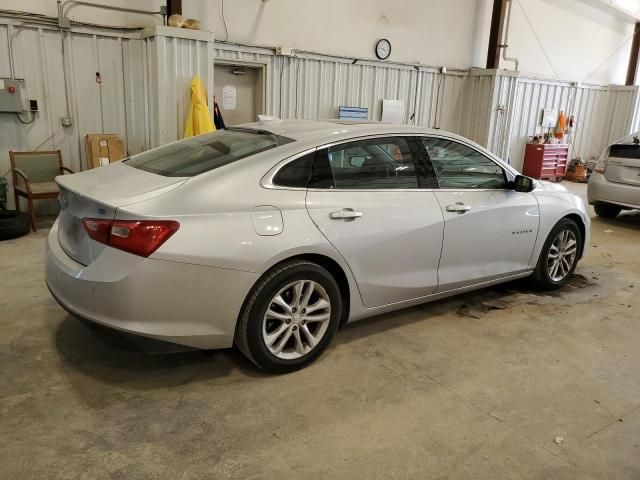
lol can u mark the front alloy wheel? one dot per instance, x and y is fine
(559, 255)
(562, 255)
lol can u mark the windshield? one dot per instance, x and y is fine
(196, 155)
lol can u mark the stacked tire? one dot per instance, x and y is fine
(13, 224)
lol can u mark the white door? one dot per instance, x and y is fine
(490, 229)
(365, 198)
(234, 88)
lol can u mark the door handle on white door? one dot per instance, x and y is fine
(345, 214)
(458, 207)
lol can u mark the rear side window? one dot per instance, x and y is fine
(379, 163)
(295, 173)
(200, 154)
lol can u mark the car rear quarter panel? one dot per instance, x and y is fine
(216, 228)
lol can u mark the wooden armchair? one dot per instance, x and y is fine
(34, 176)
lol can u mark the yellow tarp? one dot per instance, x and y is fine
(198, 118)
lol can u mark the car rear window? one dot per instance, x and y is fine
(625, 151)
(196, 155)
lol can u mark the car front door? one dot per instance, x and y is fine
(371, 199)
(489, 228)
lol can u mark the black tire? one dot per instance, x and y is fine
(13, 224)
(606, 210)
(249, 335)
(541, 275)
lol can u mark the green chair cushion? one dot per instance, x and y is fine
(39, 167)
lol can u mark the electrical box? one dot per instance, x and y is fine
(285, 51)
(10, 95)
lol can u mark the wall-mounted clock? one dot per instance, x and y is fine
(383, 49)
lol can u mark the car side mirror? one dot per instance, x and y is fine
(523, 184)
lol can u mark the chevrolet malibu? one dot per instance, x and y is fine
(270, 236)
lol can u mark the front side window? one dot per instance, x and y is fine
(459, 166)
(381, 163)
(202, 153)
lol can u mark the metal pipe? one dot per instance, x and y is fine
(496, 33)
(65, 70)
(10, 45)
(633, 56)
(27, 18)
(415, 95)
(73, 3)
(505, 45)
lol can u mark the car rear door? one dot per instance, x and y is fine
(624, 164)
(370, 199)
(489, 230)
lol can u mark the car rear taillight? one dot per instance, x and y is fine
(601, 166)
(140, 237)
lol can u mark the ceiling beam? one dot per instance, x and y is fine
(174, 7)
(633, 56)
(495, 35)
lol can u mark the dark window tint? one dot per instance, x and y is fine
(295, 173)
(459, 166)
(381, 163)
(196, 155)
(625, 151)
(321, 176)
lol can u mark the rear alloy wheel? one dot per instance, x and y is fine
(290, 317)
(606, 210)
(296, 320)
(559, 256)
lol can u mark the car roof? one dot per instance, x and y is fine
(310, 134)
(312, 131)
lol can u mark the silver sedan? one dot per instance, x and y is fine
(270, 236)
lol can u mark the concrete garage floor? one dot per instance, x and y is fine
(428, 392)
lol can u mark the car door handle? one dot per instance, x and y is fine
(458, 207)
(345, 214)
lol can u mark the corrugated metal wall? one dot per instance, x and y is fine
(94, 107)
(316, 88)
(602, 114)
(494, 108)
(143, 95)
(487, 100)
(497, 109)
(477, 99)
(171, 64)
(313, 86)
(441, 100)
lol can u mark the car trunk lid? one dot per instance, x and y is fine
(99, 193)
(624, 164)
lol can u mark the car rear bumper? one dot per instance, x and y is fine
(175, 302)
(601, 190)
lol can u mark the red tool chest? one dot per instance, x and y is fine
(546, 161)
